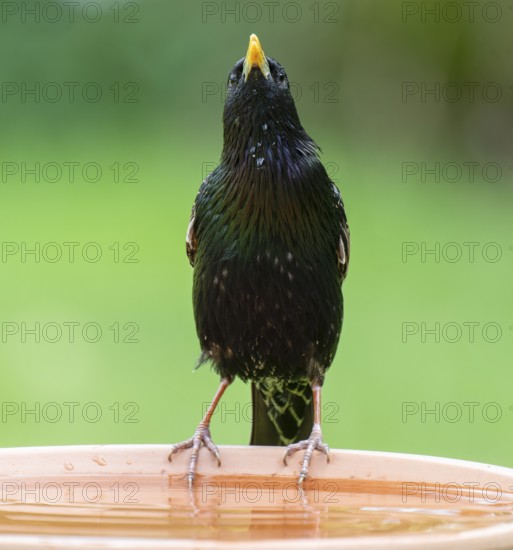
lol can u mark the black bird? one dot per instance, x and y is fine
(269, 242)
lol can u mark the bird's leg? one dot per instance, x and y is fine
(314, 442)
(201, 436)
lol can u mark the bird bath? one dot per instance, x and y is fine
(131, 497)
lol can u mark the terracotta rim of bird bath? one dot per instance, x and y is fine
(252, 463)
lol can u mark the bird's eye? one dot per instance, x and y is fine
(281, 77)
(232, 80)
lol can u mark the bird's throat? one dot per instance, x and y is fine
(267, 150)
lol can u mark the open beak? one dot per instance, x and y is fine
(255, 58)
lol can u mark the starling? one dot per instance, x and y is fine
(269, 242)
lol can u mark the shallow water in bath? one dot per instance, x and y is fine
(242, 509)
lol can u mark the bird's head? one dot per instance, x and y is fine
(258, 84)
(259, 107)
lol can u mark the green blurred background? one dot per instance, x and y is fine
(387, 89)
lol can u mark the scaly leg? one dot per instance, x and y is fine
(201, 436)
(314, 442)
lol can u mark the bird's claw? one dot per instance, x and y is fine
(201, 437)
(313, 443)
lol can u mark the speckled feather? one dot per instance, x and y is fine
(269, 243)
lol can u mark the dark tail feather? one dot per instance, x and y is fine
(282, 412)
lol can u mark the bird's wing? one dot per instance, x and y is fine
(191, 243)
(343, 247)
(191, 240)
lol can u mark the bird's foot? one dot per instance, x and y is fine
(201, 437)
(313, 443)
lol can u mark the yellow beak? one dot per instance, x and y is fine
(255, 58)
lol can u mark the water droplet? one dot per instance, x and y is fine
(260, 161)
(99, 460)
